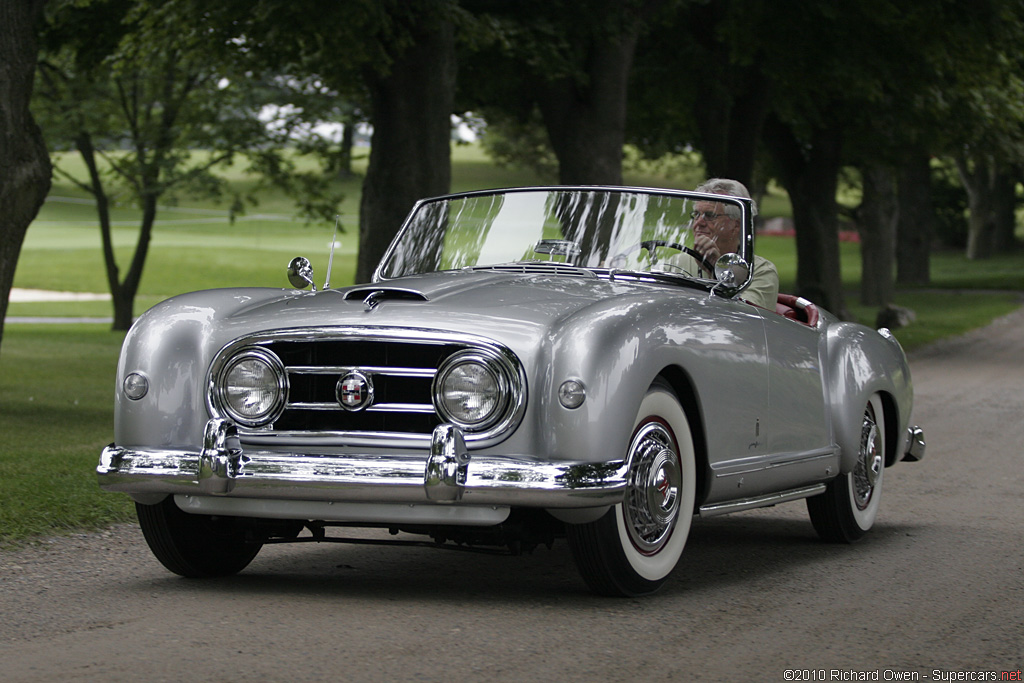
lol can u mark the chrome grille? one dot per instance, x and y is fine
(401, 364)
(402, 374)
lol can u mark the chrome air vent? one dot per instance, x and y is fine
(347, 386)
(378, 294)
(538, 269)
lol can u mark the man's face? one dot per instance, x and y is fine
(712, 222)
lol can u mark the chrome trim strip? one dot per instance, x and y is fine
(427, 373)
(330, 511)
(760, 501)
(741, 466)
(306, 439)
(314, 406)
(221, 467)
(425, 408)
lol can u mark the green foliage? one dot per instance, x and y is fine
(56, 414)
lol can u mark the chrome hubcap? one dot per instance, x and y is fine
(651, 505)
(870, 463)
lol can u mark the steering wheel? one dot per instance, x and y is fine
(651, 245)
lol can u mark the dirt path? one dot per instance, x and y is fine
(936, 589)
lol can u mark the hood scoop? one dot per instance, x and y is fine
(372, 296)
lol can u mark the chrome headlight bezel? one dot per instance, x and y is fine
(496, 369)
(279, 388)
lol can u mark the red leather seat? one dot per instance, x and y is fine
(797, 308)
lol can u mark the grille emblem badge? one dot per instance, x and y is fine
(355, 391)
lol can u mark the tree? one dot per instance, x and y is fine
(822, 85)
(548, 62)
(25, 180)
(396, 60)
(698, 83)
(916, 224)
(137, 102)
(877, 218)
(411, 104)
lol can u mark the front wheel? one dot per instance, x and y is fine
(633, 548)
(847, 509)
(195, 546)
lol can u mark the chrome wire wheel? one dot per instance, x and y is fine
(634, 547)
(651, 504)
(868, 470)
(849, 505)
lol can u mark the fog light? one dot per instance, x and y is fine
(135, 386)
(572, 393)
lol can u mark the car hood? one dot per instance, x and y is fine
(454, 301)
(518, 309)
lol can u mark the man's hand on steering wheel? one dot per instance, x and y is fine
(708, 248)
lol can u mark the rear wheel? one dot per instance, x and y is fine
(195, 546)
(847, 509)
(633, 548)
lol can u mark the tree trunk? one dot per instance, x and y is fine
(348, 136)
(731, 130)
(410, 153)
(916, 222)
(877, 218)
(586, 122)
(990, 196)
(25, 178)
(122, 294)
(810, 174)
(1004, 238)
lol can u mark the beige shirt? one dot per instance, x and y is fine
(764, 286)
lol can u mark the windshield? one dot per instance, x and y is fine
(592, 228)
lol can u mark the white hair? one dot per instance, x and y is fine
(731, 188)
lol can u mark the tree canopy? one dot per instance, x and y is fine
(791, 91)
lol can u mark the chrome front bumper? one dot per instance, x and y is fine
(446, 474)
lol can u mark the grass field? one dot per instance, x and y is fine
(57, 381)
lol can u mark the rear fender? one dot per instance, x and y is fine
(863, 362)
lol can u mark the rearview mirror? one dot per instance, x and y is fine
(731, 270)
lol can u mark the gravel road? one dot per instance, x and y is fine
(935, 592)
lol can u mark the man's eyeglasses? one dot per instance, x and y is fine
(709, 215)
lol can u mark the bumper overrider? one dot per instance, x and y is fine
(446, 474)
(915, 445)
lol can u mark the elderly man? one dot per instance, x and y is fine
(717, 231)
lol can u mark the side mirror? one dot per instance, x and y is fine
(731, 271)
(300, 273)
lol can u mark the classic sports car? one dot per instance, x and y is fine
(527, 364)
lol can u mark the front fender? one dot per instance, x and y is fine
(618, 348)
(172, 346)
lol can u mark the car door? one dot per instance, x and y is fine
(799, 442)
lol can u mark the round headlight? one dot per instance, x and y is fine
(471, 391)
(252, 387)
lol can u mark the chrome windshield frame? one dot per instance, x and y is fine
(745, 206)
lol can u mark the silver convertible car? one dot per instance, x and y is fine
(526, 365)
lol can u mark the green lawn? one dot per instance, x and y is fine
(56, 381)
(56, 414)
